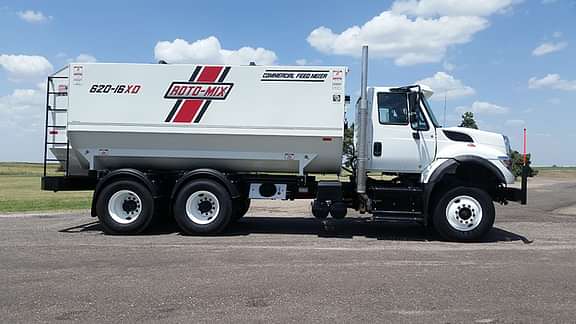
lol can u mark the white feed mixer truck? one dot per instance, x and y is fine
(200, 141)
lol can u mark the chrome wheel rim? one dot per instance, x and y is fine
(124, 207)
(202, 207)
(464, 213)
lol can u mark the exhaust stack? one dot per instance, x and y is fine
(362, 124)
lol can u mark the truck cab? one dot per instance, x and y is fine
(406, 138)
(448, 177)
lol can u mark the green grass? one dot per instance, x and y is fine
(20, 191)
(556, 172)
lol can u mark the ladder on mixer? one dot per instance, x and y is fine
(57, 86)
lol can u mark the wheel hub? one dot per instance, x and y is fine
(202, 207)
(205, 206)
(464, 213)
(124, 206)
(129, 205)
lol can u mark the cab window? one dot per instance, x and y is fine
(392, 108)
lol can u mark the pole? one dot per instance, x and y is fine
(445, 93)
(362, 125)
(524, 146)
(524, 184)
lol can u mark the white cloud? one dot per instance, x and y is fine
(515, 122)
(444, 84)
(549, 47)
(406, 40)
(33, 17)
(412, 31)
(448, 66)
(428, 8)
(483, 108)
(552, 81)
(84, 58)
(23, 109)
(304, 61)
(21, 67)
(210, 51)
(21, 121)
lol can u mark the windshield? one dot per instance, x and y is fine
(430, 113)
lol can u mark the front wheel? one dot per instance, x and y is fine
(464, 214)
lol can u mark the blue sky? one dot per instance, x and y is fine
(509, 61)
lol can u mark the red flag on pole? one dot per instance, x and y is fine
(524, 146)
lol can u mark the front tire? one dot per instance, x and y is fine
(464, 214)
(125, 207)
(202, 207)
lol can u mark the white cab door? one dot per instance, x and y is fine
(398, 145)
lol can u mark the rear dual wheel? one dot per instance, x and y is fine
(338, 209)
(202, 207)
(125, 207)
(321, 209)
(240, 208)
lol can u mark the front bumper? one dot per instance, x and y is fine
(519, 194)
(515, 194)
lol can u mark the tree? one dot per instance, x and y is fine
(468, 120)
(348, 149)
(518, 163)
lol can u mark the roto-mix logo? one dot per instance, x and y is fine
(195, 95)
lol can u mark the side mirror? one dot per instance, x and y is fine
(413, 117)
(413, 100)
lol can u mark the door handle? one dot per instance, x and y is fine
(416, 135)
(377, 149)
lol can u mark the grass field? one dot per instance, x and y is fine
(20, 191)
(556, 172)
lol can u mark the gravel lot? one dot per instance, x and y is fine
(281, 265)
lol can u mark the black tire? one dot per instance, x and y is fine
(218, 206)
(144, 208)
(241, 207)
(338, 210)
(464, 216)
(320, 209)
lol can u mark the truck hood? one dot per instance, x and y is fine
(481, 137)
